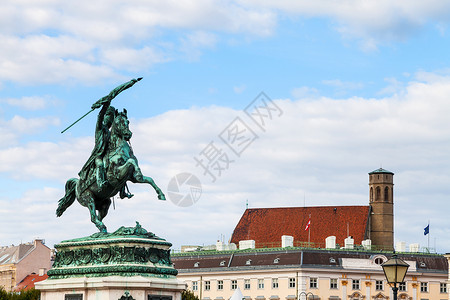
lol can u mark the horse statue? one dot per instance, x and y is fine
(120, 165)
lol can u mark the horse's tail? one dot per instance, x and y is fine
(68, 198)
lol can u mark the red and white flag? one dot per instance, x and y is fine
(308, 224)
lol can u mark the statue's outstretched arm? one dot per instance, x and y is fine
(114, 93)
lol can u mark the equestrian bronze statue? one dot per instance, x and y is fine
(111, 164)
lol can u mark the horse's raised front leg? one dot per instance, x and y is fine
(139, 178)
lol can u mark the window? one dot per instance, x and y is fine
(260, 283)
(276, 260)
(292, 282)
(246, 284)
(207, 285)
(313, 283)
(333, 283)
(424, 287)
(194, 285)
(248, 262)
(196, 265)
(402, 287)
(274, 283)
(386, 194)
(233, 284)
(222, 263)
(355, 284)
(379, 260)
(379, 285)
(220, 285)
(443, 287)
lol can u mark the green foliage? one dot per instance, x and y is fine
(188, 295)
(31, 294)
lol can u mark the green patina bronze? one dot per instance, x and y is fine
(125, 252)
(110, 165)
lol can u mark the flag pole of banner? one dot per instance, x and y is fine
(426, 231)
(308, 225)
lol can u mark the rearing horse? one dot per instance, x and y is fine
(122, 166)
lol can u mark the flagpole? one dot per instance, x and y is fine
(428, 236)
(309, 232)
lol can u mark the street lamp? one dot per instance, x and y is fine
(395, 270)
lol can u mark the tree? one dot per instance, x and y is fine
(188, 295)
(31, 294)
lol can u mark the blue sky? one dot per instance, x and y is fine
(361, 85)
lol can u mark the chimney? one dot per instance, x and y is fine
(247, 244)
(349, 243)
(330, 242)
(367, 244)
(400, 247)
(287, 241)
(414, 248)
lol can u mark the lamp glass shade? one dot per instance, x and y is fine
(395, 269)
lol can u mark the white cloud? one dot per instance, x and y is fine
(320, 149)
(133, 59)
(394, 86)
(45, 59)
(195, 42)
(343, 87)
(371, 21)
(29, 103)
(53, 41)
(11, 130)
(239, 89)
(304, 92)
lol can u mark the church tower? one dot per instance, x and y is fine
(381, 198)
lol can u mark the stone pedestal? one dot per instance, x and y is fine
(128, 264)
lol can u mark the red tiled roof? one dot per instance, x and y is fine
(267, 225)
(29, 281)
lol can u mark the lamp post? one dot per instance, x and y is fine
(395, 270)
(306, 295)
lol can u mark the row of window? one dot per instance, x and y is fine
(313, 284)
(247, 284)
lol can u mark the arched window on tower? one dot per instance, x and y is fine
(378, 194)
(371, 194)
(386, 194)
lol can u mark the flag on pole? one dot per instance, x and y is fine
(308, 224)
(426, 230)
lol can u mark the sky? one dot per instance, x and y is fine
(258, 103)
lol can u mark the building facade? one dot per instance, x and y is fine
(374, 222)
(16, 262)
(294, 273)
